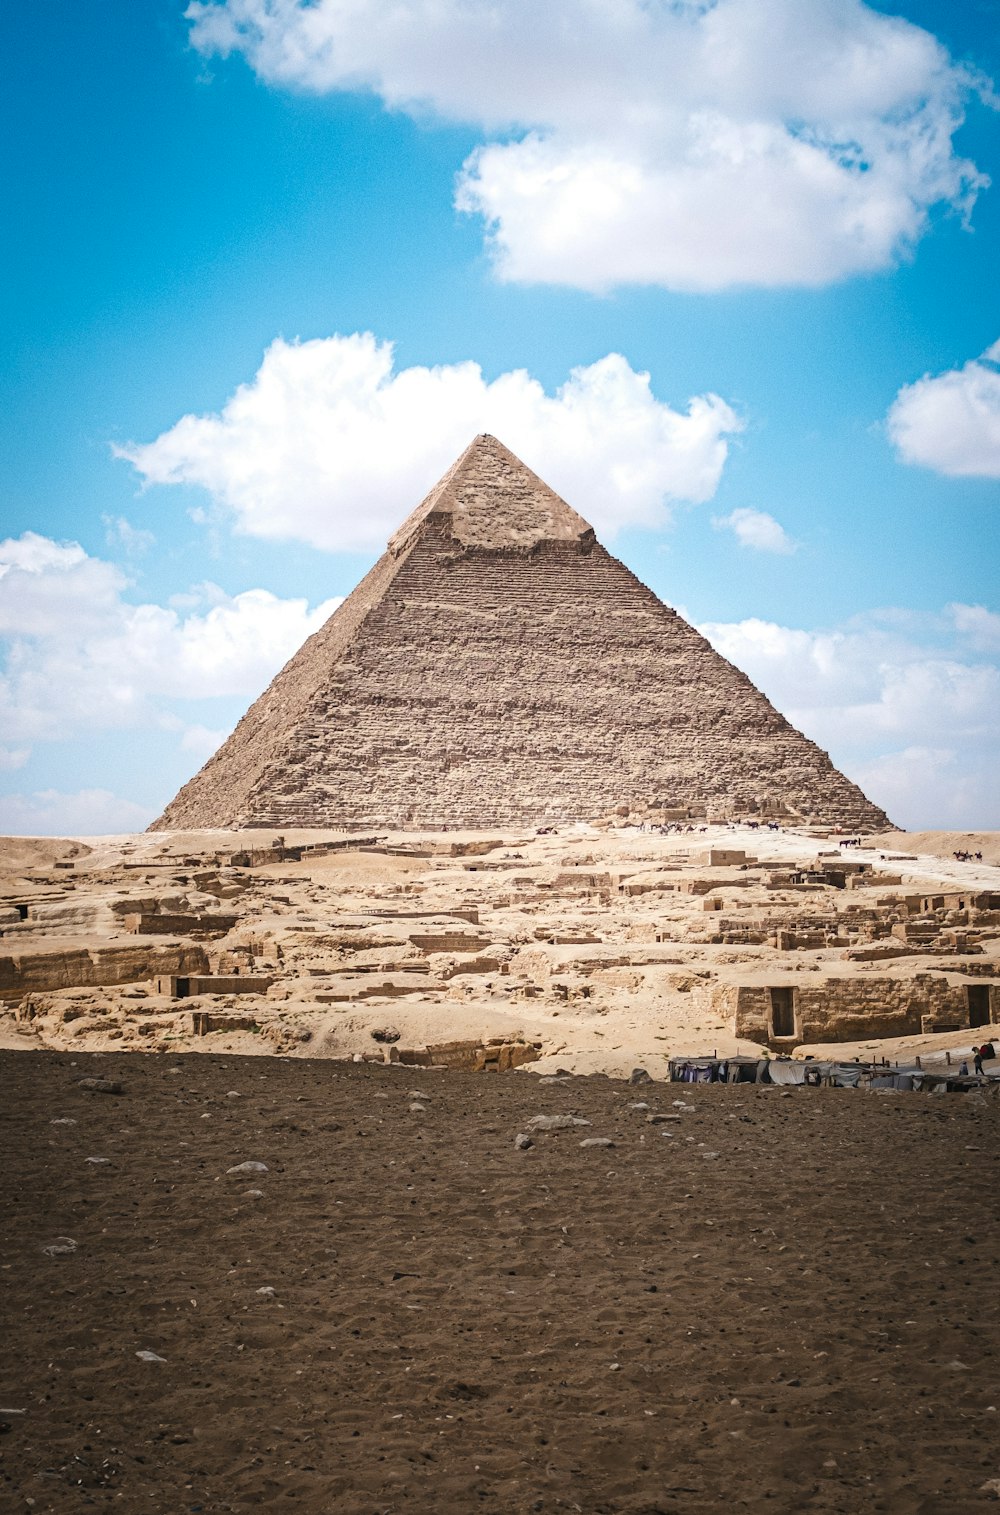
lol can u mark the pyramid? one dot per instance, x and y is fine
(497, 667)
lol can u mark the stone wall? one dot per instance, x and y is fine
(180, 986)
(80, 967)
(444, 941)
(470, 1056)
(140, 923)
(849, 1009)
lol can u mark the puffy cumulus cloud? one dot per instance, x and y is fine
(76, 656)
(331, 445)
(951, 421)
(697, 145)
(756, 529)
(903, 705)
(88, 812)
(43, 582)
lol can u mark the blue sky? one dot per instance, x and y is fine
(724, 273)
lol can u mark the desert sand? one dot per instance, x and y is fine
(774, 1300)
(942, 844)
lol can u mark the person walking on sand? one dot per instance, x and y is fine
(977, 1061)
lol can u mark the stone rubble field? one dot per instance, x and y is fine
(594, 948)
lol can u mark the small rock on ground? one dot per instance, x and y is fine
(555, 1122)
(100, 1085)
(61, 1247)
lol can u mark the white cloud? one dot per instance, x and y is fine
(915, 720)
(951, 422)
(88, 812)
(76, 656)
(697, 144)
(120, 533)
(43, 582)
(202, 741)
(979, 625)
(330, 445)
(756, 529)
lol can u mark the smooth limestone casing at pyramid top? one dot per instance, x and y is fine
(498, 667)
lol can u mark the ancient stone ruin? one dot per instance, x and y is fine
(497, 667)
(598, 949)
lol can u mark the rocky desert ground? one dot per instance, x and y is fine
(246, 1283)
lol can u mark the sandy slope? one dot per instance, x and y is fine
(943, 844)
(21, 855)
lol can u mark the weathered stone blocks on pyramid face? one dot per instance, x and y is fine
(499, 667)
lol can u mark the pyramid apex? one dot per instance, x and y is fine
(492, 499)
